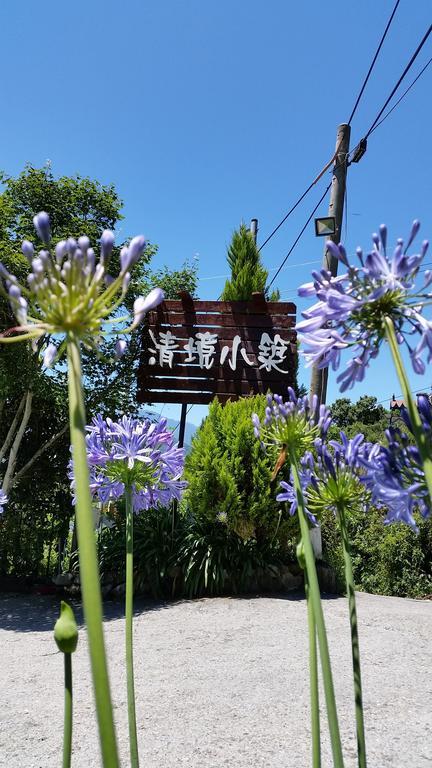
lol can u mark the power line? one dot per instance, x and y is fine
(402, 97)
(373, 63)
(188, 410)
(406, 70)
(299, 235)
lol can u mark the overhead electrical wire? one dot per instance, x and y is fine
(404, 73)
(402, 97)
(373, 127)
(303, 195)
(299, 236)
(357, 102)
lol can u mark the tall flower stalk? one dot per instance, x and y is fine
(290, 429)
(331, 480)
(66, 637)
(70, 294)
(137, 461)
(89, 570)
(130, 682)
(315, 599)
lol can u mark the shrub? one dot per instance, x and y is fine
(387, 559)
(157, 535)
(215, 560)
(229, 477)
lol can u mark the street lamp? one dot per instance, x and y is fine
(325, 226)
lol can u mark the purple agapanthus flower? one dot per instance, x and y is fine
(351, 308)
(395, 472)
(330, 475)
(292, 424)
(136, 454)
(70, 291)
(3, 500)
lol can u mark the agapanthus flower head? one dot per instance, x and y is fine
(396, 479)
(291, 425)
(3, 500)
(136, 454)
(69, 291)
(424, 408)
(352, 308)
(331, 476)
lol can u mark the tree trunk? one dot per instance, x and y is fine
(13, 427)
(13, 455)
(36, 455)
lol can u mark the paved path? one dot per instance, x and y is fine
(221, 682)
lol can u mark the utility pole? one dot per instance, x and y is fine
(254, 229)
(337, 197)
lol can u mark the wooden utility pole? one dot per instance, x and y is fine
(254, 228)
(337, 197)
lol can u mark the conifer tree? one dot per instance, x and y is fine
(247, 272)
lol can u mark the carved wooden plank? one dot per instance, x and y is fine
(249, 307)
(214, 320)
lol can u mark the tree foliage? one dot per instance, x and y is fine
(33, 404)
(366, 416)
(229, 475)
(247, 272)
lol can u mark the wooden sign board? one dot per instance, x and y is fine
(192, 351)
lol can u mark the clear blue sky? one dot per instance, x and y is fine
(204, 114)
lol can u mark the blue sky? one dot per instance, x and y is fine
(205, 114)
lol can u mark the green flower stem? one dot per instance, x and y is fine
(313, 671)
(67, 731)
(358, 696)
(89, 572)
(133, 743)
(417, 427)
(319, 620)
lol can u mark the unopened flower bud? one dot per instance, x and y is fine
(106, 244)
(49, 355)
(143, 305)
(83, 243)
(42, 226)
(60, 251)
(136, 248)
(66, 630)
(28, 250)
(120, 348)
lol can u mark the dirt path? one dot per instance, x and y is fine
(220, 682)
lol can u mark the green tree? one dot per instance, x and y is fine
(247, 272)
(366, 416)
(34, 445)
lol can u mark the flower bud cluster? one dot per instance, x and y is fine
(293, 424)
(330, 476)
(70, 291)
(395, 472)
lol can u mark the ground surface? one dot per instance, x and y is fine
(220, 682)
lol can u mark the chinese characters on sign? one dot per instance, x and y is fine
(193, 351)
(202, 349)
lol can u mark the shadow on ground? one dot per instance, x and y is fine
(37, 613)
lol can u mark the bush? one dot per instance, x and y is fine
(156, 542)
(215, 560)
(175, 556)
(387, 559)
(229, 477)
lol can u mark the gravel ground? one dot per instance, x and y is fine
(220, 682)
